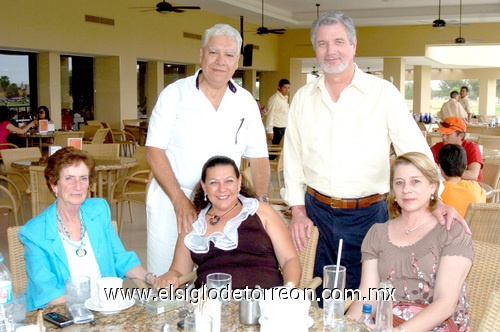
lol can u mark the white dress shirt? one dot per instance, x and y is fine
(278, 111)
(342, 148)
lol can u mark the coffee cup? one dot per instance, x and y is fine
(110, 292)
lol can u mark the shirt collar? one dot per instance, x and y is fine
(196, 242)
(359, 81)
(230, 84)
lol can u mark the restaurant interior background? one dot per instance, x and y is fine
(106, 59)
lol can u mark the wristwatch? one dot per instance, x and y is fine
(264, 199)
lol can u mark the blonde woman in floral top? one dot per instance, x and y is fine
(425, 263)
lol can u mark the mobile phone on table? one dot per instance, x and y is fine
(80, 314)
(57, 319)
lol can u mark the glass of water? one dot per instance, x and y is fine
(333, 303)
(219, 287)
(77, 290)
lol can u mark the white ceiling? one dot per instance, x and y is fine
(299, 14)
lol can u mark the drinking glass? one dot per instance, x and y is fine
(198, 323)
(333, 306)
(19, 309)
(219, 287)
(77, 290)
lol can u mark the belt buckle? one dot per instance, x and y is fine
(334, 199)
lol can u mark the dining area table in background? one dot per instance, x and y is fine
(105, 167)
(491, 155)
(139, 317)
(31, 137)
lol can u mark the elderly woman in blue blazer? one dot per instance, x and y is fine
(73, 236)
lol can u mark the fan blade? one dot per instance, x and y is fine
(187, 7)
(276, 32)
(177, 10)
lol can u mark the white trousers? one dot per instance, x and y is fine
(162, 229)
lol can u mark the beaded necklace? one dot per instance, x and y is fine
(80, 251)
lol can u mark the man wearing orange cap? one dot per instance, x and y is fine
(453, 131)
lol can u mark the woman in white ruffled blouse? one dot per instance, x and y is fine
(235, 234)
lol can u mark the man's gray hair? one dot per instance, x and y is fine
(222, 30)
(330, 18)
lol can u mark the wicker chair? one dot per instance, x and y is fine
(9, 156)
(102, 150)
(484, 221)
(491, 176)
(491, 319)
(127, 142)
(12, 202)
(61, 137)
(131, 188)
(89, 131)
(277, 166)
(307, 258)
(100, 136)
(482, 279)
(489, 142)
(41, 196)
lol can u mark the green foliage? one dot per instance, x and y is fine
(409, 90)
(12, 91)
(4, 82)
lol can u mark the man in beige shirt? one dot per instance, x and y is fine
(465, 102)
(452, 108)
(277, 115)
(336, 152)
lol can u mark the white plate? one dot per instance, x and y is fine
(310, 321)
(93, 304)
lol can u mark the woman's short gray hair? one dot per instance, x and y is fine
(330, 18)
(222, 30)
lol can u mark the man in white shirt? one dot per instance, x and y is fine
(277, 115)
(465, 102)
(337, 145)
(194, 119)
(452, 108)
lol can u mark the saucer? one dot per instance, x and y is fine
(93, 304)
(310, 321)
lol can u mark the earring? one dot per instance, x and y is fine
(395, 200)
(432, 197)
(205, 197)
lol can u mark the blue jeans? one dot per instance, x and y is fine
(351, 225)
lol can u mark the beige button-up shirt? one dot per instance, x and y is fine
(278, 112)
(342, 149)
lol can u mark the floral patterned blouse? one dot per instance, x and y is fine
(412, 269)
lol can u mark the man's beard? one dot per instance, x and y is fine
(337, 69)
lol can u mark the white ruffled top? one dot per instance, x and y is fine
(197, 242)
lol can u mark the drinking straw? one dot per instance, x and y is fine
(339, 254)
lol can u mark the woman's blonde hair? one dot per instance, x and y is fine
(424, 165)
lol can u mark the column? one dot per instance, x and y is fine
(394, 71)
(49, 84)
(421, 89)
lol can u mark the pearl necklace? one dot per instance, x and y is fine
(214, 219)
(80, 252)
(408, 231)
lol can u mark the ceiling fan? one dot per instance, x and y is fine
(165, 8)
(440, 23)
(315, 72)
(264, 31)
(460, 39)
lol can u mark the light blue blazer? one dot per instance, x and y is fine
(46, 262)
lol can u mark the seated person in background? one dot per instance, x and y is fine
(6, 127)
(453, 132)
(234, 234)
(452, 108)
(73, 236)
(425, 263)
(457, 192)
(43, 113)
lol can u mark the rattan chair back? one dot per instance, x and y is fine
(484, 221)
(102, 150)
(9, 156)
(491, 319)
(61, 137)
(307, 258)
(41, 196)
(11, 199)
(482, 279)
(489, 142)
(100, 136)
(491, 176)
